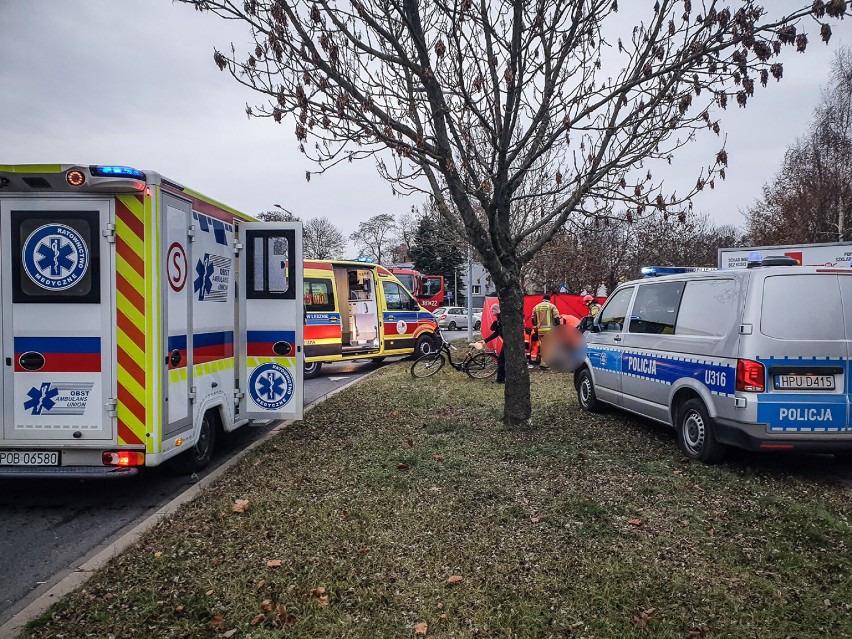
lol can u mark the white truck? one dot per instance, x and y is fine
(832, 254)
(139, 318)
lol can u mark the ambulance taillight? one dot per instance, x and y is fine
(124, 458)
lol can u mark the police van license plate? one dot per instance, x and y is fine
(804, 382)
(29, 458)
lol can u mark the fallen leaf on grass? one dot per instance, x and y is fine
(240, 506)
(402, 466)
(437, 458)
(394, 413)
(576, 625)
(261, 584)
(678, 471)
(410, 443)
(535, 519)
(209, 593)
(282, 618)
(273, 563)
(216, 622)
(581, 455)
(179, 609)
(635, 522)
(703, 631)
(643, 617)
(266, 604)
(364, 550)
(420, 629)
(320, 593)
(455, 579)
(158, 554)
(443, 617)
(230, 633)
(257, 619)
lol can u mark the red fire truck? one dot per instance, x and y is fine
(428, 289)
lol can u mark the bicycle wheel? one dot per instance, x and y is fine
(482, 366)
(427, 365)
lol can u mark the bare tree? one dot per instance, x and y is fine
(376, 237)
(322, 240)
(282, 215)
(810, 200)
(485, 105)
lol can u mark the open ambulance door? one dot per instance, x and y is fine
(271, 321)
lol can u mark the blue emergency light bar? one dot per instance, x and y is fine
(116, 171)
(659, 271)
(367, 260)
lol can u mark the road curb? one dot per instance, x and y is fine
(78, 576)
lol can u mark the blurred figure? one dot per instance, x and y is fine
(497, 332)
(565, 348)
(545, 316)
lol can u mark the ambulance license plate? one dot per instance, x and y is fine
(804, 382)
(29, 458)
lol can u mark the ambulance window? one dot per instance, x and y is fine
(655, 308)
(269, 264)
(708, 308)
(397, 298)
(319, 295)
(57, 257)
(613, 313)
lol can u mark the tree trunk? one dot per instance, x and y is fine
(517, 409)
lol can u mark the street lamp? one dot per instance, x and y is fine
(287, 211)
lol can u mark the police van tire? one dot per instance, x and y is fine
(695, 434)
(586, 396)
(197, 457)
(312, 369)
(425, 345)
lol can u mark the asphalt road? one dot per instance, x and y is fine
(48, 527)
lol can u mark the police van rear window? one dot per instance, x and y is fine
(802, 307)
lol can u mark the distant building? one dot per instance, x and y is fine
(481, 285)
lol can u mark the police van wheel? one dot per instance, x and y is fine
(312, 369)
(695, 433)
(198, 456)
(586, 392)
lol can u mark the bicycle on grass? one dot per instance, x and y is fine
(478, 364)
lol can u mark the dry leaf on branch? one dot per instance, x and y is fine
(420, 629)
(273, 563)
(455, 579)
(240, 506)
(643, 617)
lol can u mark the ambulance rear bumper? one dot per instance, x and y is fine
(67, 472)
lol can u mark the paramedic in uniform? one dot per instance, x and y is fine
(545, 316)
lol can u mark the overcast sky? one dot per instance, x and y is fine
(133, 82)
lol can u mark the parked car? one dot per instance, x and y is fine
(455, 317)
(754, 358)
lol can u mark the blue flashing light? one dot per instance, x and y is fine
(366, 259)
(117, 171)
(755, 256)
(658, 271)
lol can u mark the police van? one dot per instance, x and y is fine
(360, 310)
(756, 358)
(138, 318)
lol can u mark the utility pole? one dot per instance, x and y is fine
(469, 295)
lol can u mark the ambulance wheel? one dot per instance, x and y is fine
(425, 345)
(452, 326)
(312, 369)
(197, 457)
(695, 434)
(586, 396)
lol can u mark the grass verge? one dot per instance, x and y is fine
(584, 526)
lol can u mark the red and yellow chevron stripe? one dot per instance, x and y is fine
(130, 312)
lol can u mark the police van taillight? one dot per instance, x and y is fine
(124, 458)
(751, 376)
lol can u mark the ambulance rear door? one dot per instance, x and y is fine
(57, 327)
(271, 318)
